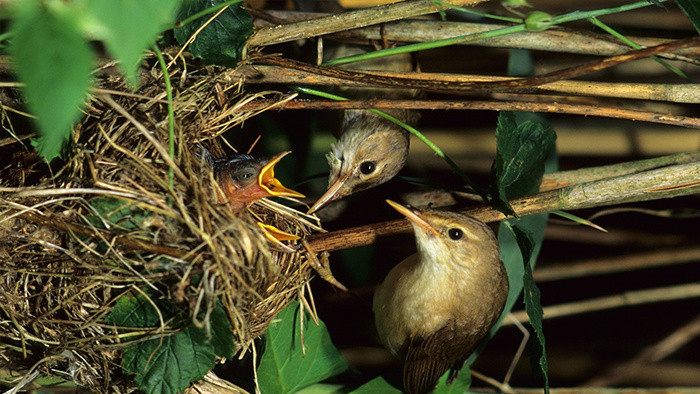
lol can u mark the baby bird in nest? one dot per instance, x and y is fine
(434, 308)
(244, 179)
(370, 149)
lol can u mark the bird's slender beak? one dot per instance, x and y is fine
(268, 182)
(330, 194)
(414, 216)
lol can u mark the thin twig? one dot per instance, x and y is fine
(555, 107)
(666, 182)
(348, 20)
(470, 86)
(637, 297)
(127, 242)
(652, 354)
(678, 93)
(602, 266)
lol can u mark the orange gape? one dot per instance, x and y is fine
(244, 179)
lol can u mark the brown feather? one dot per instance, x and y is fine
(427, 359)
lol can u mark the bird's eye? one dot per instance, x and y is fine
(244, 175)
(455, 233)
(367, 167)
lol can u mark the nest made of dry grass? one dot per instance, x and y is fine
(67, 259)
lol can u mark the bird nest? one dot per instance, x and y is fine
(124, 217)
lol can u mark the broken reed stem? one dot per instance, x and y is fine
(628, 298)
(557, 180)
(677, 93)
(608, 265)
(554, 107)
(553, 40)
(665, 182)
(348, 20)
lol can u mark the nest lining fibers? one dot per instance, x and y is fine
(108, 223)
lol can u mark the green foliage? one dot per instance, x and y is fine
(460, 385)
(128, 27)
(169, 363)
(522, 149)
(116, 212)
(323, 388)
(53, 60)
(692, 10)
(531, 296)
(288, 363)
(220, 42)
(376, 386)
(525, 149)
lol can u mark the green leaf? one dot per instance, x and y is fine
(136, 311)
(116, 212)
(170, 363)
(522, 149)
(129, 27)
(510, 251)
(222, 333)
(376, 386)
(579, 220)
(323, 388)
(692, 10)
(287, 364)
(54, 61)
(531, 297)
(220, 42)
(460, 385)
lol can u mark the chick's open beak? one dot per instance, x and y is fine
(414, 216)
(333, 193)
(268, 182)
(276, 236)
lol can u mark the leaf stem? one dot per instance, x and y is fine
(634, 45)
(171, 111)
(573, 16)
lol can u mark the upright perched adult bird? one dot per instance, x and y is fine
(244, 179)
(434, 308)
(370, 149)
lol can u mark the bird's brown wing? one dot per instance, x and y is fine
(428, 358)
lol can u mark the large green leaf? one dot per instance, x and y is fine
(54, 61)
(128, 27)
(522, 148)
(220, 42)
(168, 364)
(692, 10)
(511, 254)
(288, 364)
